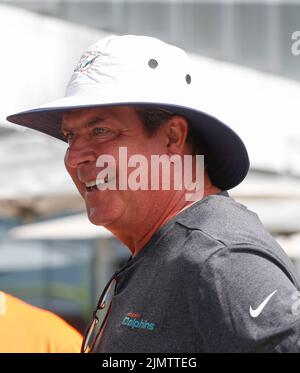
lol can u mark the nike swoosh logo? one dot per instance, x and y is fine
(256, 312)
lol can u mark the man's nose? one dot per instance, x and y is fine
(79, 152)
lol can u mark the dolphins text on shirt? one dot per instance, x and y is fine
(135, 321)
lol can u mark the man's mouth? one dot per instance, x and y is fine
(96, 184)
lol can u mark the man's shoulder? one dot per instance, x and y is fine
(219, 225)
(222, 218)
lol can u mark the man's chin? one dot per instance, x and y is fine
(94, 218)
(98, 218)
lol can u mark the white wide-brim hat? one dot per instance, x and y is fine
(139, 70)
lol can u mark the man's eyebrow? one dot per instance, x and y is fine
(93, 121)
(90, 123)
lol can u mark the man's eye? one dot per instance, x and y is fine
(99, 130)
(69, 136)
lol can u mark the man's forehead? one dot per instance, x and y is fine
(82, 113)
(86, 116)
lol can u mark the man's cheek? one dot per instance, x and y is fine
(79, 185)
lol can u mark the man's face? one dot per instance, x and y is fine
(101, 131)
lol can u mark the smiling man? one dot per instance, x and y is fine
(94, 132)
(204, 275)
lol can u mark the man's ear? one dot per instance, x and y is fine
(176, 130)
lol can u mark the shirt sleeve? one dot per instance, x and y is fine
(61, 337)
(247, 301)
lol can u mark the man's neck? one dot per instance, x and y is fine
(135, 238)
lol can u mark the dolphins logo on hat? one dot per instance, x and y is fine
(86, 61)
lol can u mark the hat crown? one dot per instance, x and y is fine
(130, 62)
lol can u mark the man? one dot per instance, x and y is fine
(204, 275)
(28, 329)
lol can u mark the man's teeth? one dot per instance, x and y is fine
(91, 184)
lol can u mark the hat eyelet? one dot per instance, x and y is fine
(152, 63)
(188, 79)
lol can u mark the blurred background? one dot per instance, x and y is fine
(247, 58)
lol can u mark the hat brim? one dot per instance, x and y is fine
(228, 161)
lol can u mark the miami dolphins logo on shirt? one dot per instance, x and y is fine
(135, 321)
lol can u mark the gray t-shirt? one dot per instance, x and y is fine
(211, 280)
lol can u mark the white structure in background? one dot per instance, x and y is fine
(66, 228)
(262, 108)
(38, 55)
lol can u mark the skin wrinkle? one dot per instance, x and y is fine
(120, 211)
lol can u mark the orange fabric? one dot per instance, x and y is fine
(25, 328)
